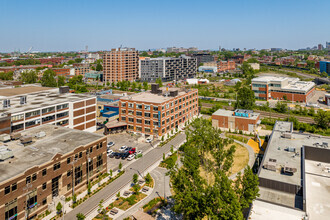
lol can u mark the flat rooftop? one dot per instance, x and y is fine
(263, 210)
(228, 113)
(317, 190)
(148, 97)
(41, 99)
(58, 140)
(7, 92)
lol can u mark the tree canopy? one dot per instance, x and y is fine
(245, 98)
(48, 78)
(322, 119)
(29, 76)
(197, 198)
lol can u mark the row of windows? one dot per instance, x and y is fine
(260, 92)
(259, 85)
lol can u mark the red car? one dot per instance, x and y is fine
(132, 151)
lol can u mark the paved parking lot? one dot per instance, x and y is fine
(314, 99)
(122, 139)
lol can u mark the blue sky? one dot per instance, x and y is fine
(59, 25)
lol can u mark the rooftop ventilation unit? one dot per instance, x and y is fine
(40, 134)
(287, 135)
(291, 149)
(6, 103)
(270, 166)
(154, 88)
(289, 170)
(5, 153)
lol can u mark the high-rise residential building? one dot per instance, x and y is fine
(320, 47)
(225, 65)
(203, 58)
(45, 163)
(121, 64)
(167, 68)
(158, 112)
(327, 45)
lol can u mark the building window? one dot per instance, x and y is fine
(139, 106)
(46, 110)
(11, 210)
(146, 114)
(59, 107)
(13, 187)
(44, 186)
(57, 166)
(28, 179)
(48, 118)
(80, 154)
(34, 177)
(77, 175)
(131, 105)
(155, 108)
(147, 107)
(44, 201)
(17, 127)
(32, 114)
(7, 190)
(17, 117)
(63, 114)
(68, 187)
(147, 122)
(123, 118)
(139, 121)
(99, 162)
(90, 149)
(31, 123)
(32, 201)
(131, 119)
(68, 173)
(44, 172)
(68, 160)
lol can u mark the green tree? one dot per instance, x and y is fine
(89, 188)
(322, 119)
(61, 81)
(120, 165)
(135, 178)
(324, 74)
(159, 82)
(80, 216)
(245, 98)
(48, 79)
(145, 86)
(59, 208)
(78, 60)
(29, 76)
(133, 86)
(7, 75)
(281, 107)
(110, 173)
(99, 67)
(74, 198)
(136, 188)
(148, 178)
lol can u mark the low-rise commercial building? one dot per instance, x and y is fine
(203, 58)
(81, 68)
(167, 68)
(159, 111)
(208, 69)
(325, 67)
(56, 162)
(31, 106)
(240, 119)
(294, 173)
(282, 88)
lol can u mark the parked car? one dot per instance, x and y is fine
(124, 155)
(118, 155)
(131, 157)
(122, 148)
(110, 144)
(132, 151)
(149, 139)
(112, 155)
(109, 152)
(138, 152)
(127, 149)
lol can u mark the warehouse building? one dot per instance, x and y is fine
(158, 111)
(47, 163)
(294, 174)
(282, 88)
(31, 106)
(240, 119)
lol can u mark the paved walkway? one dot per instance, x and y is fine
(139, 166)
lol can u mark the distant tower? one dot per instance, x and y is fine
(86, 48)
(219, 48)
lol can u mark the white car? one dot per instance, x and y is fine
(131, 157)
(109, 152)
(122, 148)
(148, 140)
(110, 144)
(138, 152)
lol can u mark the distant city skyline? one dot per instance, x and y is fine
(102, 25)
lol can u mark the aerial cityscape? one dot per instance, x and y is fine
(165, 110)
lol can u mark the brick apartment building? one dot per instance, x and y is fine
(62, 71)
(245, 120)
(167, 68)
(159, 111)
(7, 69)
(226, 65)
(52, 60)
(54, 164)
(281, 88)
(121, 64)
(81, 68)
(31, 106)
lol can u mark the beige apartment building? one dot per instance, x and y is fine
(121, 64)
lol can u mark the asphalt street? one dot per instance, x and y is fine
(137, 167)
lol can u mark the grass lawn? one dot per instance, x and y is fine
(126, 203)
(241, 159)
